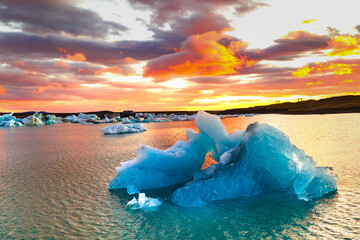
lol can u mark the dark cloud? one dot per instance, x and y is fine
(169, 39)
(332, 31)
(198, 23)
(358, 28)
(18, 46)
(183, 27)
(45, 17)
(245, 6)
(165, 10)
(291, 46)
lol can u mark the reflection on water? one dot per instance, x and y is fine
(53, 183)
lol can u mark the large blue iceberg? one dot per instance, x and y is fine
(259, 160)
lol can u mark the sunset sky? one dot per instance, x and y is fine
(152, 55)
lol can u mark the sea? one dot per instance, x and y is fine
(54, 185)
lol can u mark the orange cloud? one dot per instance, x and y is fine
(302, 72)
(337, 68)
(62, 50)
(2, 90)
(20, 63)
(344, 46)
(49, 87)
(61, 64)
(200, 55)
(77, 57)
(309, 21)
(347, 81)
(114, 70)
(311, 83)
(82, 70)
(130, 60)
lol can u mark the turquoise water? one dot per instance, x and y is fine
(53, 185)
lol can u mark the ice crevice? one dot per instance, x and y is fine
(260, 159)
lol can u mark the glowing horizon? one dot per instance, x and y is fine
(159, 55)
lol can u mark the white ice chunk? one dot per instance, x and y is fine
(33, 121)
(124, 128)
(144, 202)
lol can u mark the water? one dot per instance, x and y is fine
(53, 185)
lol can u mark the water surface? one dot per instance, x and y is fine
(53, 185)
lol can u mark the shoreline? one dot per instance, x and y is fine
(333, 105)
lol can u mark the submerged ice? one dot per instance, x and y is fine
(259, 160)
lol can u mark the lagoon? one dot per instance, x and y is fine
(53, 185)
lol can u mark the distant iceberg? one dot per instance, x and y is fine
(124, 128)
(34, 120)
(259, 160)
(8, 120)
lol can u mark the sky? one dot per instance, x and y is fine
(161, 55)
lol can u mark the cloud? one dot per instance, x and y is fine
(344, 46)
(199, 23)
(336, 68)
(20, 45)
(56, 17)
(358, 28)
(61, 64)
(2, 90)
(347, 81)
(309, 21)
(200, 55)
(48, 87)
(114, 70)
(164, 11)
(77, 57)
(290, 46)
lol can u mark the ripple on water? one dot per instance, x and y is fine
(53, 184)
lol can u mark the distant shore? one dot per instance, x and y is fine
(342, 104)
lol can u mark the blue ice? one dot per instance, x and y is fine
(259, 160)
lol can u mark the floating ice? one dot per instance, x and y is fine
(50, 119)
(7, 117)
(33, 120)
(156, 120)
(144, 202)
(8, 120)
(124, 128)
(83, 116)
(126, 120)
(13, 123)
(258, 160)
(154, 168)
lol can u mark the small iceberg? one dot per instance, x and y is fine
(34, 120)
(124, 128)
(8, 120)
(144, 202)
(258, 160)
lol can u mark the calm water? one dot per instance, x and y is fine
(53, 185)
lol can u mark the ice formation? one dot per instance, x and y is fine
(126, 120)
(124, 128)
(33, 120)
(8, 120)
(144, 202)
(259, 160)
